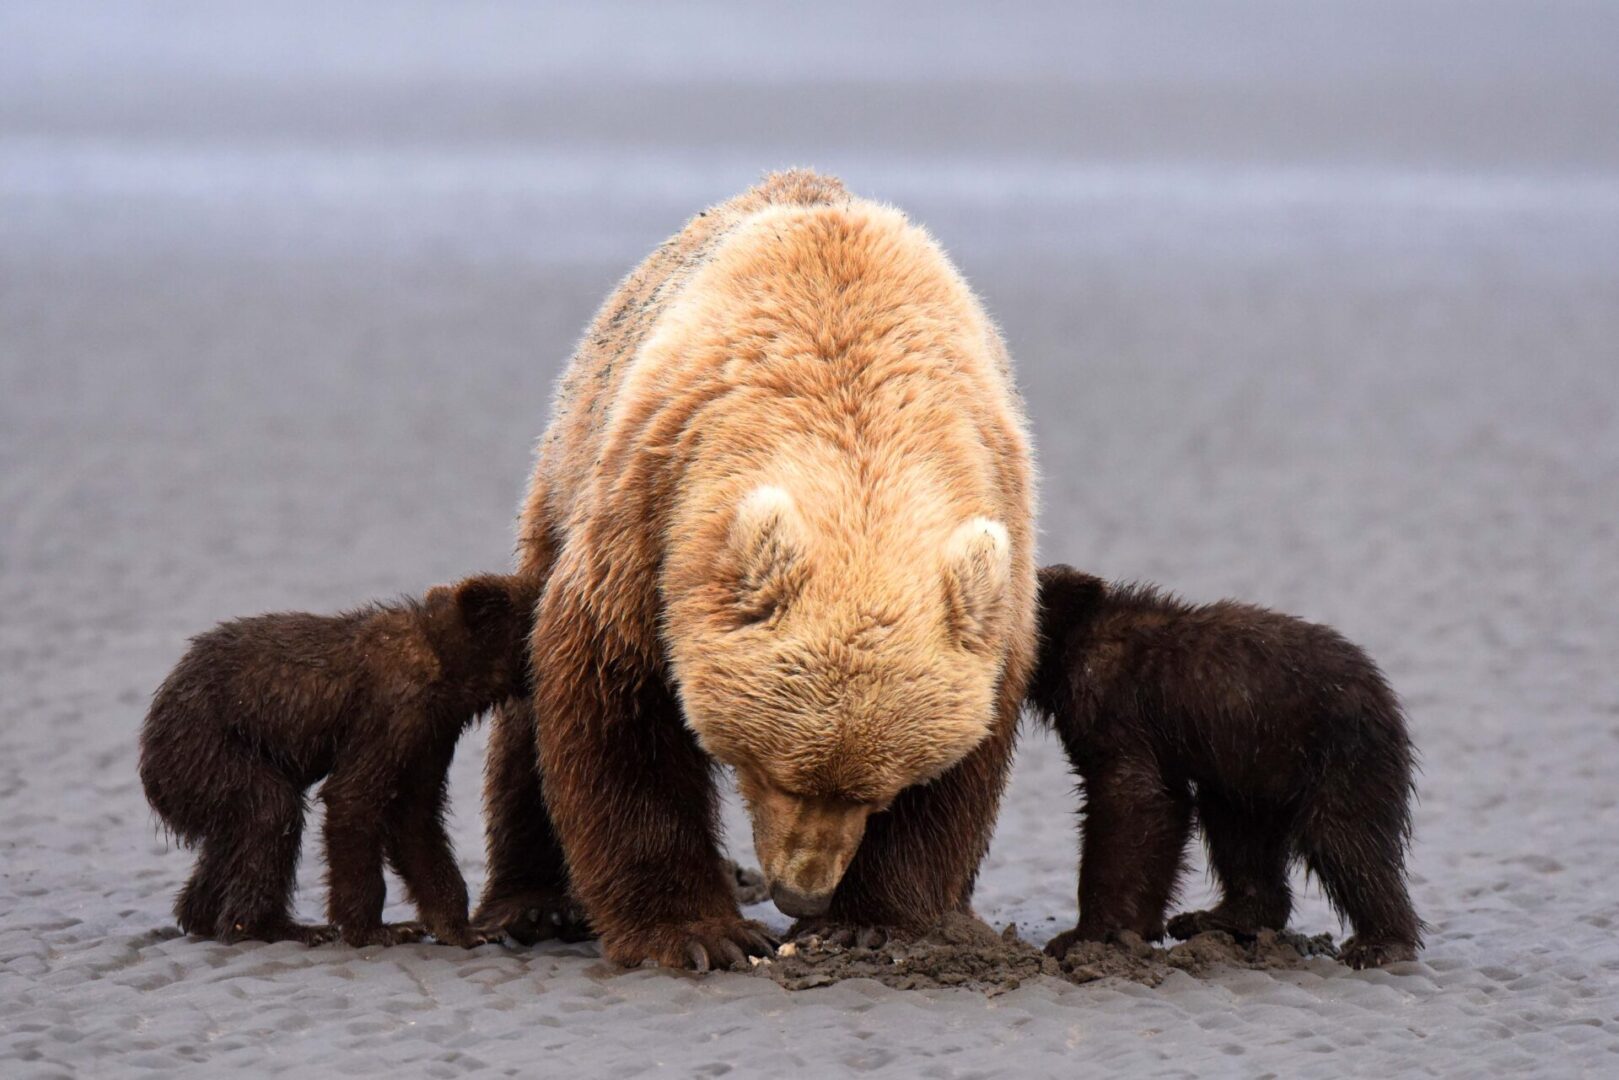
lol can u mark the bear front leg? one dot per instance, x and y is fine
(919, 860)
(633, 800)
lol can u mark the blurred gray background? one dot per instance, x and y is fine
(1314, 304)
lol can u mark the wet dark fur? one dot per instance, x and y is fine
(1283, 737)
(373, 701)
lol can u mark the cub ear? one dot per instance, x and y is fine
(977, 576)
(1067, 597)
(767, 553)
(486, 603)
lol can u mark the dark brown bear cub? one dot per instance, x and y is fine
(1283, 736)
(373, 701)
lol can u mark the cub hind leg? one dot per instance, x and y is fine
(526, 894)
(198, 906)
(1134, 842)
(251, 866)
(1354, 840)
(1249, 848)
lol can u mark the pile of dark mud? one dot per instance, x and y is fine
(966, 953)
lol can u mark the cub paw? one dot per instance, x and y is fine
(385, 935)
(1058, 947)
(1361, 953)
(278, 931)
(700, 945)
(323, 934)
(467, 937)
(1192, 923)
(530, 918)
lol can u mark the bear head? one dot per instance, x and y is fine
(832, 669)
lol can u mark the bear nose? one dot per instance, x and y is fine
(800, 905)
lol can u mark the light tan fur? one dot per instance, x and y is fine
(789, 475)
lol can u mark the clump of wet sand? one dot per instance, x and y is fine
(966, 953)
(1139, 961)
(961, 952)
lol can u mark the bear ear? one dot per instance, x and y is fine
(977, 577)
(767, 553)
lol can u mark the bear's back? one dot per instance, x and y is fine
(571, 446)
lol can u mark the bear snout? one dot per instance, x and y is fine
(800, 905)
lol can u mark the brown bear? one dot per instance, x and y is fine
(373, 700)
(1283, 736)
(784, 514)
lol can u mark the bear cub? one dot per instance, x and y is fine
(373, 701)
(1282, 736)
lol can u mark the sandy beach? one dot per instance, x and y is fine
(1319, 309)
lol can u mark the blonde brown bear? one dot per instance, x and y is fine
(784, 506)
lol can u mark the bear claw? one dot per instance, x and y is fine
(702, 945)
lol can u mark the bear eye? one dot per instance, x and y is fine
(754, 616)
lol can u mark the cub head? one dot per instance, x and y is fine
(1069, 599)
(480, 629)
(834, 671)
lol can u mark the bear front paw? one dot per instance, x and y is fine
(842, 935)
(699, 945)
(280, 930)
